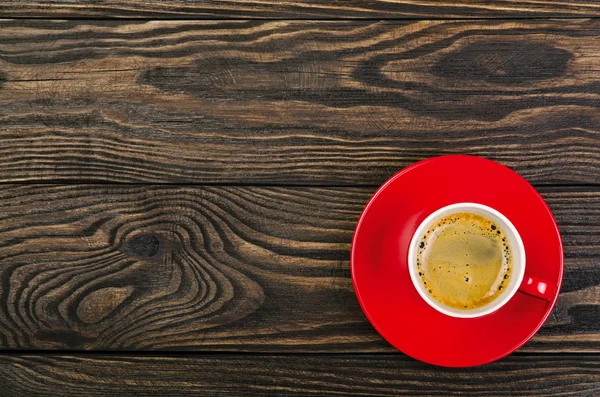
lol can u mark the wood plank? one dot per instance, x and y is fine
(294, 375)
(295, 102)
(302, 9)
(223, 269)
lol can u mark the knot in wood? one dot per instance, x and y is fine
(143, 246)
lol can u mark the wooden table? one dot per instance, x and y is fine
(181, 181)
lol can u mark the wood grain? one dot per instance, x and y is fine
(295, 102)
(266, 375)
(298, 9)
(101, 267)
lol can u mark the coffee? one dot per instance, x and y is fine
(464, 260)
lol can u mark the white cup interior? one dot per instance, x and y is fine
(513, 238)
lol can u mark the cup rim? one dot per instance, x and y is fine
(495, 304)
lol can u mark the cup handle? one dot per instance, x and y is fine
(537, 287)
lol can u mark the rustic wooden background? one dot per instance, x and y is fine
(181, 180)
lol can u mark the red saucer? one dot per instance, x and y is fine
(379, 260)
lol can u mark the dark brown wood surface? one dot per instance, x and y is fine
(179, 188)
(224, 269)
(295, 102)
(299, 9)
(295, 375)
